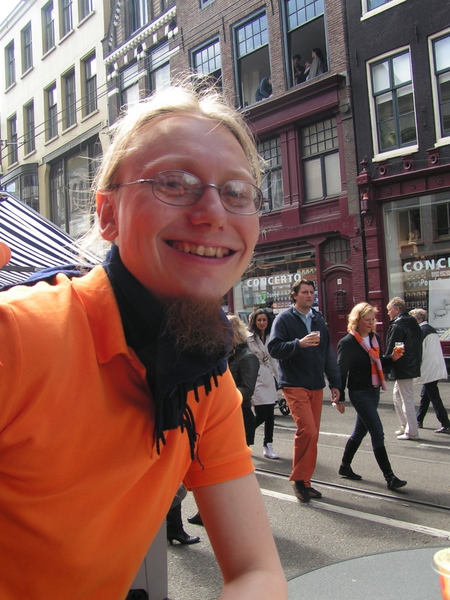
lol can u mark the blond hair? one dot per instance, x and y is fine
(358, 312)
(182, 99)
(239, 330)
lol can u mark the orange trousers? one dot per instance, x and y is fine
(306, 410)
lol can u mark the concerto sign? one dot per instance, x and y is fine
(426, 265)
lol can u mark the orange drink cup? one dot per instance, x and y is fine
(441, 564)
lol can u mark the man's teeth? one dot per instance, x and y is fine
(217, 252)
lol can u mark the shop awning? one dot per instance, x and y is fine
(35, 242)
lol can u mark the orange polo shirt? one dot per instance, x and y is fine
(82, 490)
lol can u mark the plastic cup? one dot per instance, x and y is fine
(317, 334)
(441, 564)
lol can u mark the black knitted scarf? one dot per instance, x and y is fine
(170, 373)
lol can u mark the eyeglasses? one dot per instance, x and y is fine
(179, 188)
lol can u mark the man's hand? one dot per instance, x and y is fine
(309, 340)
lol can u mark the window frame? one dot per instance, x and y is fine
(241, 57)
(89, 102)
(321, 156)
(85, 8)
(26, 36)
(162, 63)
(217, 57)
(370, 12)
(272, 147)
(131, 82)
(48, 27)
(66, 17)
(51, 111)
(10, 65)
(441, 137)
(11, 129)
(399, 150)
(138, 11)
(29, 128)
(69, 104)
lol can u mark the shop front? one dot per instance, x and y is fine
(417, 242)
(268, 280)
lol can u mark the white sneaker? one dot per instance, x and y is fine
(400, 431)
(269, 453)
(407, 436)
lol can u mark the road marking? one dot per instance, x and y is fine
(350, 512)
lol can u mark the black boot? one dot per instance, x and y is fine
(196, 519)
(382, 459)
(175, 529)
(345, 469)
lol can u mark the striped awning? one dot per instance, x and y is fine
(35, 242)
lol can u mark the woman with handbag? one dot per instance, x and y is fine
(360, 363)
(265, 395)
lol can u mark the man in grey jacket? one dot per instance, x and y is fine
(404, 329)
(300, 340)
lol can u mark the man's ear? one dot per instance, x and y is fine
(106, 212)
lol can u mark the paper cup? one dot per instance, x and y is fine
(441, 564)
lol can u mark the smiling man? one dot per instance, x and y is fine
(114, 384)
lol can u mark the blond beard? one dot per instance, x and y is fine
(197, 325)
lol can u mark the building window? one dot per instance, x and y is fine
(51, 106)
(158, 67)
(305, 26)
(204, 3)
(336, 251)
(27, 48)
(442, 220)
(441, 88)
(321, 165)
(207, 60)
(393, 102)
(66, 17)
(70, 182)
(28, 119)
(374, 7)
(138, 14)
(272, 183)
(89, 85)
(69, 99)
(11, 125)
(48, 27)
(129, 85)
(85, 8)
(10, 65)
(252, 50)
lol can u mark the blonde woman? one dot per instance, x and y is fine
(361, 366)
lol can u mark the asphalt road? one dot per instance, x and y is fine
(353, 518)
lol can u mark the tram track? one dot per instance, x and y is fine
(361, 491)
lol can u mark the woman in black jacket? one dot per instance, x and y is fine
(360, 363)
(244, 367)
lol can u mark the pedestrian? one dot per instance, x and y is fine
(300, 341)
(114, 384)
(317, 66)
(361, 367)
(174, 521)
(432, 369)
(404, 330)
(244, 367)
(265, 394)
(300, 71)
(264, 89)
